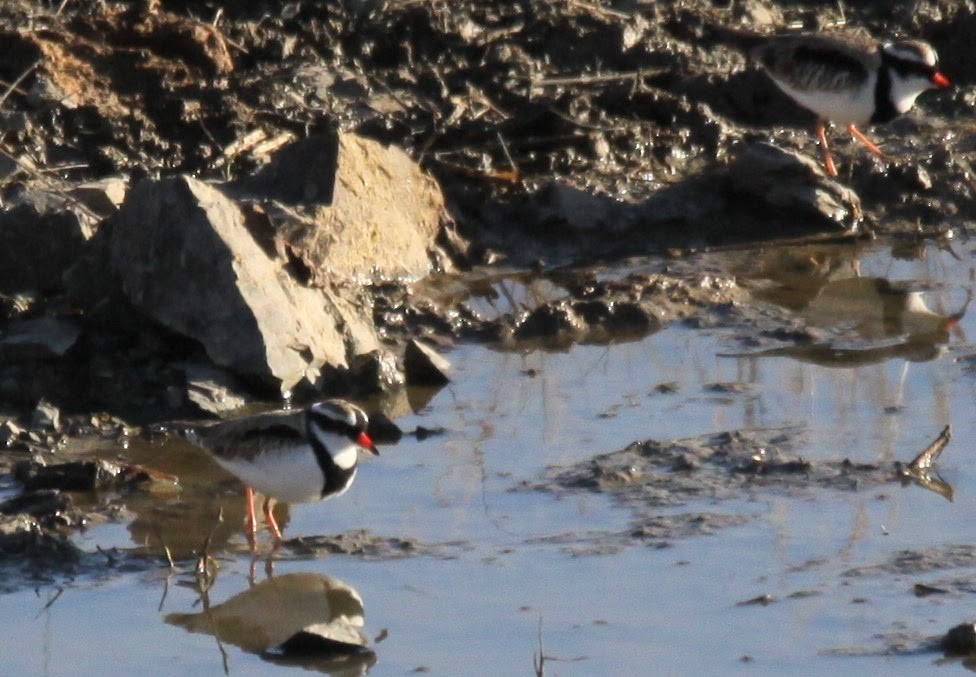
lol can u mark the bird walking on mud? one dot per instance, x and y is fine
(845, 78)
(294, 456)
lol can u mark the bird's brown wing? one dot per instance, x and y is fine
(819, 61)
(246, 437)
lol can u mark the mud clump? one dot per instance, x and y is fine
(651, 478)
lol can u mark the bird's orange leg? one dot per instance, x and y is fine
(822, 139)
(250, 522)
(856, 133)
(272, 524)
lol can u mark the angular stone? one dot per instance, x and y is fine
(351, 207)
(423, 366)
(186, 258)
(791, 183)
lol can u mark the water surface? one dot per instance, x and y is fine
(882, 390)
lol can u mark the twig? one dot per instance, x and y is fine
(516, 172)
(539, 659)
(207, 565)
(593, 8)
(50, 601)
(13, 85)
(597, 79)
(205, 580)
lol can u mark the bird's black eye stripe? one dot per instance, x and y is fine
(905, 67)
(342, 427)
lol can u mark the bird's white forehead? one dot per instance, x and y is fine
(912, 51)
(336, 411)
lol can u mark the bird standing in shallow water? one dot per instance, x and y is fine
(850, 79)
(294, 456)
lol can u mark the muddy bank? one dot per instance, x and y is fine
(346, 164)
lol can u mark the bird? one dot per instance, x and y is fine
(847, 78)
(295, 456)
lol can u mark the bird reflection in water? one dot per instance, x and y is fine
(305, 619)
(862, 320)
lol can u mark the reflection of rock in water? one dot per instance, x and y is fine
(268, 614)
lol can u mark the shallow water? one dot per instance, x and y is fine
(505, 565)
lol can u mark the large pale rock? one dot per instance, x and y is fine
(185, 258)
(352, 207)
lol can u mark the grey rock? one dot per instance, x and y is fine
(423, 366)
(38, 338)
(792, 183)
(46, 416)
(213, 390)
(377, 371)
(41, 235)
(185, 257)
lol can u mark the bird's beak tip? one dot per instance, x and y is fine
(366, 442)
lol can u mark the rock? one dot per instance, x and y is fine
(186, 258)
(377, 371)
(46, 416)
(579, 210)
(212, 390)
(17, 533)
(10, 433)
(555, 320)
(960, 640)
(423, 366)
(791, 184)
(351, 207)
(104, 197)
(382, 428)
(44, 503)
(41, 338)
(40, 236)
(70, 476)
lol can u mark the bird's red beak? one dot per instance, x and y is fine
(940, 81)
(366, 442)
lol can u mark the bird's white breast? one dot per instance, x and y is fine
(290, 474)
(904, 91)
(844, 106)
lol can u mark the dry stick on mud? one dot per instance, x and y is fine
(601, 78)
(13, 85)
